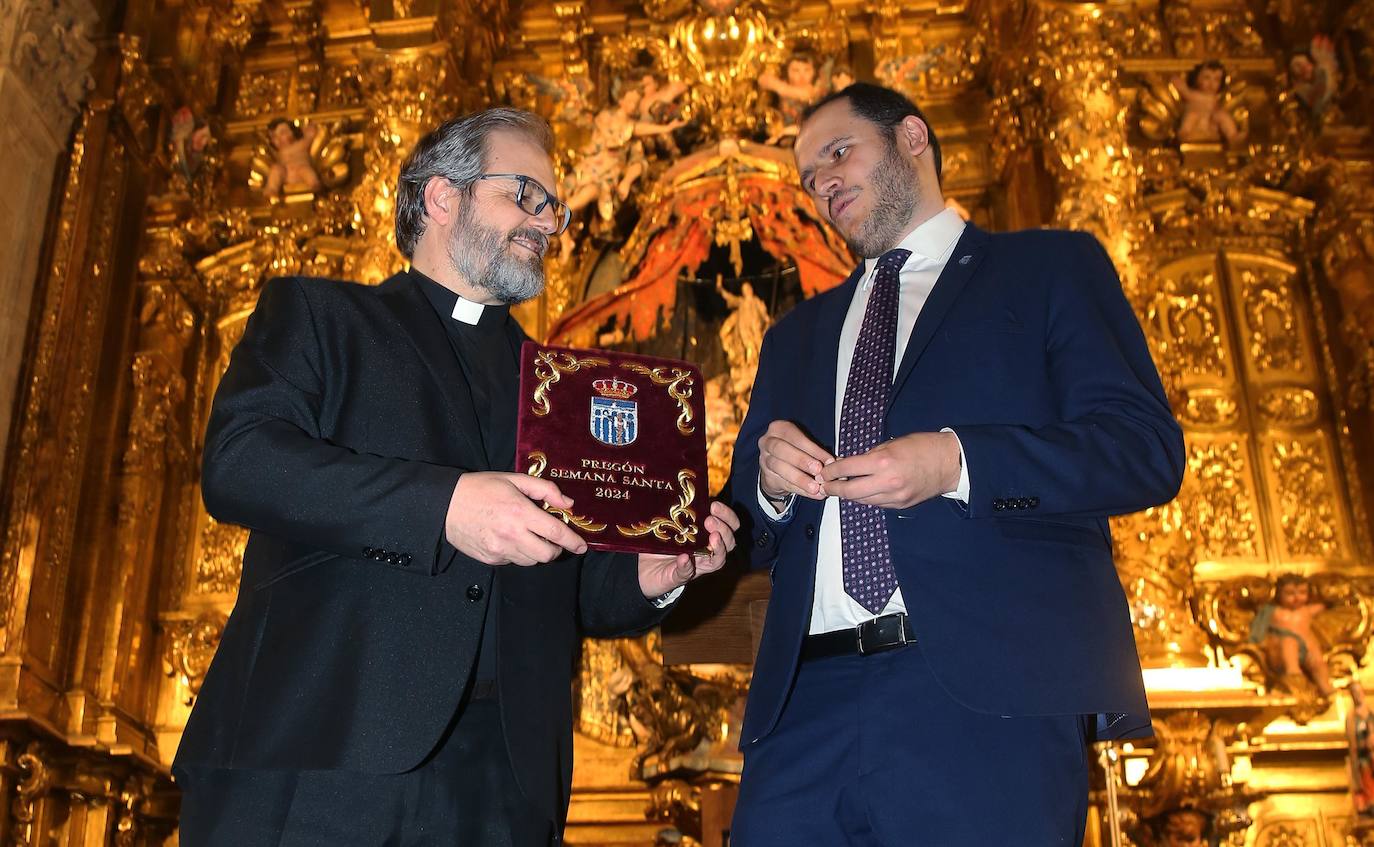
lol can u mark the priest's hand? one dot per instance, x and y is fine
(660, 574)
(496, 518)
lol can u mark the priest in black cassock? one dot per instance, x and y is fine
(397, 667)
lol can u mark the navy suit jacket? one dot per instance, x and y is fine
(1028, 349)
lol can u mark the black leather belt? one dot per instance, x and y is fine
(885, 633)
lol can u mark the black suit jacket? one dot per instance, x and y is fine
(337, 436)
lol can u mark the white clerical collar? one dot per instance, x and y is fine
(467, 311)
(934, 239)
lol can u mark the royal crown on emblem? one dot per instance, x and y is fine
(613, 387)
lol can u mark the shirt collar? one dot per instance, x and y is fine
(934, 239)
(467, 311)
(450, 304)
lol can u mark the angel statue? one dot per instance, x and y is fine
(1296, 634)
(841, 77)
(741, 336)
(189, 140)
(570, 96)
(1284, 630)
(802, 86)
(1201, 106)
(611, 162)
(1205, 116)
(1314, 75)
(660, 104)
(1182, 827)
(902, 72)
(297, 158)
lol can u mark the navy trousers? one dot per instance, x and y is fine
(871, 751)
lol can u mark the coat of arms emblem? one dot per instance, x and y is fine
(614, 416)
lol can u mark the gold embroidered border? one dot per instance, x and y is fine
(549, 367)
(680, 384)
(680, 526)
(539, 462)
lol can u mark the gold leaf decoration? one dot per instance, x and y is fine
(680, 526)
(539, 462)
(549, 367)
(680, 388)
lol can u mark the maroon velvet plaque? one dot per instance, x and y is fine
(625, 437)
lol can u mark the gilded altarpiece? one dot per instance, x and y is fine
(218, 143)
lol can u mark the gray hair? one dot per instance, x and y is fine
(456, 151)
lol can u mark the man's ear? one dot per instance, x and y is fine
(443, 201)
(913, 136)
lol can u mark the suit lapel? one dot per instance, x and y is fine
(825, 361)
(461, 444)
(963, 263)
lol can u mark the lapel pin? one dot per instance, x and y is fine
(964, 260)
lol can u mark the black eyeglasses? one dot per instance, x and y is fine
(532, 197)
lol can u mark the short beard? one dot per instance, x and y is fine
(480, 254)
(896, 185)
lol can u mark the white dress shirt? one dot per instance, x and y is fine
(930, 244)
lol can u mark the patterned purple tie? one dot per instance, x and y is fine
(867, 556)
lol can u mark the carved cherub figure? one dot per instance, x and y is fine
(659, 105)
(299, 157)
(291, 149)
(1184, 828)
(1203, 105)
(188, 142)
(1204, 117)
(1284, 631)
(1314, 75)
(610, 163)
(570, 96)
(800, 86)
(841, 77)
(904, 71)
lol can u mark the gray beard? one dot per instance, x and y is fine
(897, 186)
(479, 254)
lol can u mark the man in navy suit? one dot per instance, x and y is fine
(946, 632)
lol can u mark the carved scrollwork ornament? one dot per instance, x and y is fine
(538, 463)
(549, 367)
(36, 778)
(680, 385)
(190, 647)
(680, 524)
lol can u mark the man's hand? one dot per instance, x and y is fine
(899, 473)
(790, 463)
(660, 574)
(496, 519)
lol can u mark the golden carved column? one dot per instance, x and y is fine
(61, 781)
(157, 455)
(63, 442)
(1059, 116)
(45, 53)
(1056, 92)
(407, 94)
